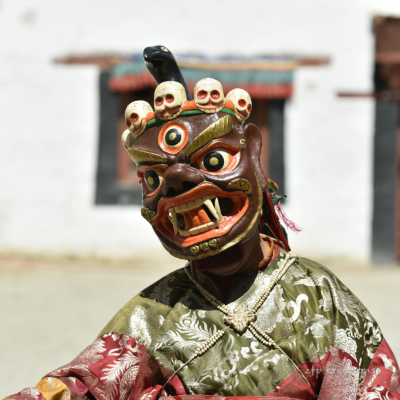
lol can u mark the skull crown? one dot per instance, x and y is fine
(126, 139)
(209, 95)
(135, 118)
(169, 102)
(242, 103)
(169, 99)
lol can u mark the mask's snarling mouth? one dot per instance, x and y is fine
(201, 214)
(196, 217)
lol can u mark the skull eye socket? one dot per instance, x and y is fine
(215, 161)
(152, 180)
(242, 103)
(173, 137)
(215, 95)
(202, 94)
(159, 101)
(134, 117)
(169, 98)
(249, 107)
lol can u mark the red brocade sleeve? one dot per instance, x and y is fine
(382, 380)
(115, 366)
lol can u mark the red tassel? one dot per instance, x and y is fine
(274, 225)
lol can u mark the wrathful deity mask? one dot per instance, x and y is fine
(198, 165)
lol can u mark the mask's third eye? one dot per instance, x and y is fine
(173, 137)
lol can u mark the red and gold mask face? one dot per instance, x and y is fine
(201, 178)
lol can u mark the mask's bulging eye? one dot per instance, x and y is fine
(173, 137)
(216, 160)
(152, 179)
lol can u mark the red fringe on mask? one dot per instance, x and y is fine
(286, 220)
(272, 221)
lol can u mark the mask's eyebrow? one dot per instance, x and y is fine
(215, 130)
(139, 156)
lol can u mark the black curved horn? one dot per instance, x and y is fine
(163, 67)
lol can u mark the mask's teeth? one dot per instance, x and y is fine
(174, 220)
(210, 206)
(218, 210)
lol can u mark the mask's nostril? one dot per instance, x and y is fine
(173, 179)
(188, 185)
(171, 192)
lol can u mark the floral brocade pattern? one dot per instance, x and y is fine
(109, 366)
(310, 314)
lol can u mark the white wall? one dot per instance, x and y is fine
(49, 121)
(329, 150)
(330, 141)
(384, 7)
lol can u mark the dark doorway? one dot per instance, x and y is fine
(386, 200)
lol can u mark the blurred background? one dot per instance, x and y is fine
(324, 78)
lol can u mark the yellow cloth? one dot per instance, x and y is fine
(53, 389)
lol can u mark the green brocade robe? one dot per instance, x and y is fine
(313, 317)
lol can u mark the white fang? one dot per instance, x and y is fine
(220, 217)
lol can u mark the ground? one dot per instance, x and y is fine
(50, 309)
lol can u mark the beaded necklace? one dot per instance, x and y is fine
(242, 317)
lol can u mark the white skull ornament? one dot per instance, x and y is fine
(135, 116)
(126, 139)
(242, 102)
(209, 95)
(169, 99)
